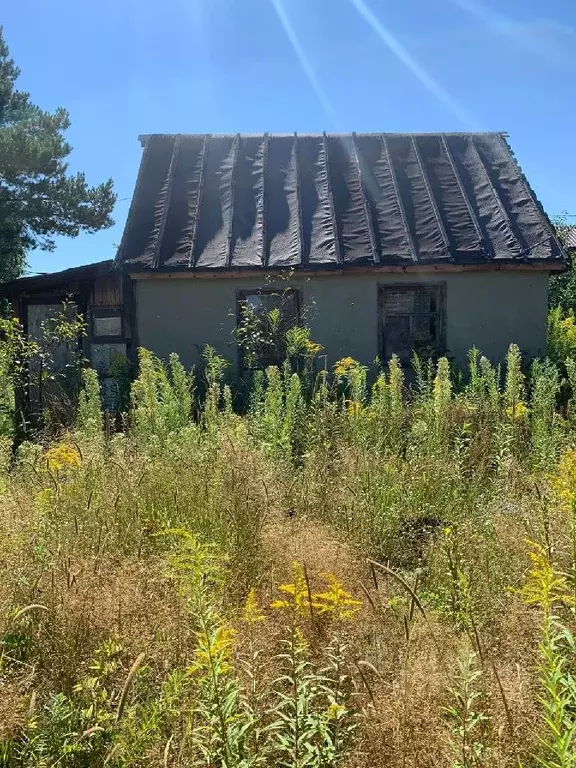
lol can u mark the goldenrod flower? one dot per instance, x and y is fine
(335, 711)
(563, 483)
(544, 585)
(312, 347)
(335, 601)
(518, 413)
(341, 367)
(62, 456)
(252, 611)
(298, 599)
(354, 407)
(214, 648)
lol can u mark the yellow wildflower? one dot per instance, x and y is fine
(62, 456)
(252, 611)
(341, 367)
(298, 594)
(214, 648)
(312, 347)
(545, 586)
(517, 413)
(563, 483)
(335, 601)
(335, 711)
(354, 407)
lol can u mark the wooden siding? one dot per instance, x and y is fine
(106, 291)
(99, 297)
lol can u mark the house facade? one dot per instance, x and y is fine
(350, 315)
(378, 243)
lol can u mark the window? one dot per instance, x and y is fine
(264, 316)
(107, 323)
(412, 320)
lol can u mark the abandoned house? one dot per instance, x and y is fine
(378, 243)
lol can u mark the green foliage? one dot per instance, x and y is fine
(441, 398)
(423, 369)
(297, 736)
(56, 737)
(183, 386)
(271, 337)
(260, 336)
(547, 589)
(514, 384)
(32, 366)
(464, 716)
(14, 351)
(561, 335)
(121, 377)
(73, 730)
(89, 415)
(221, 719)
(562, 287)
(214, 371)
(38, 197)
(161, 403)
(482, 389)
(543, 421)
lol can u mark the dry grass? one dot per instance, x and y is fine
(404, 686)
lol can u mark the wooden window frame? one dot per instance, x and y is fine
(241, 296)
(440, 313)
(107, 312)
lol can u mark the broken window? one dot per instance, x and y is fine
(412, 321)
(264, 316)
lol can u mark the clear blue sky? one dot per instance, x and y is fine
(128, 67)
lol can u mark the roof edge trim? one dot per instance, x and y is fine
(339, 271)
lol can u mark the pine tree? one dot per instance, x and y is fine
(38, 197)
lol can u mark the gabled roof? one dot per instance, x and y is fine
(205, 202)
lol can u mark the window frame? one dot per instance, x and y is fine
(440, 287)
(241, 297)
(104, 312)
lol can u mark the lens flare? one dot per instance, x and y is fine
(304, 61)
(426, 79)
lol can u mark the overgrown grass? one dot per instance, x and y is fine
(349, 574)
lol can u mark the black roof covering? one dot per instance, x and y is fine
(205, 202)
(50, 279)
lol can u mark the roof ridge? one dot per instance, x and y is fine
(144, 136)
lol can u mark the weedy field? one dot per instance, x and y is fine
(343, 576)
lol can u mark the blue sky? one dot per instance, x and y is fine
(129, 67)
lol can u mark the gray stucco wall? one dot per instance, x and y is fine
(486, 309)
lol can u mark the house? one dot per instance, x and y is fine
(379, 243)
(570, 239)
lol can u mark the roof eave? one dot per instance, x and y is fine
(84, 271)
(138, 273)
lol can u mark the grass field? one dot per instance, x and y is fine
(342, 576)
